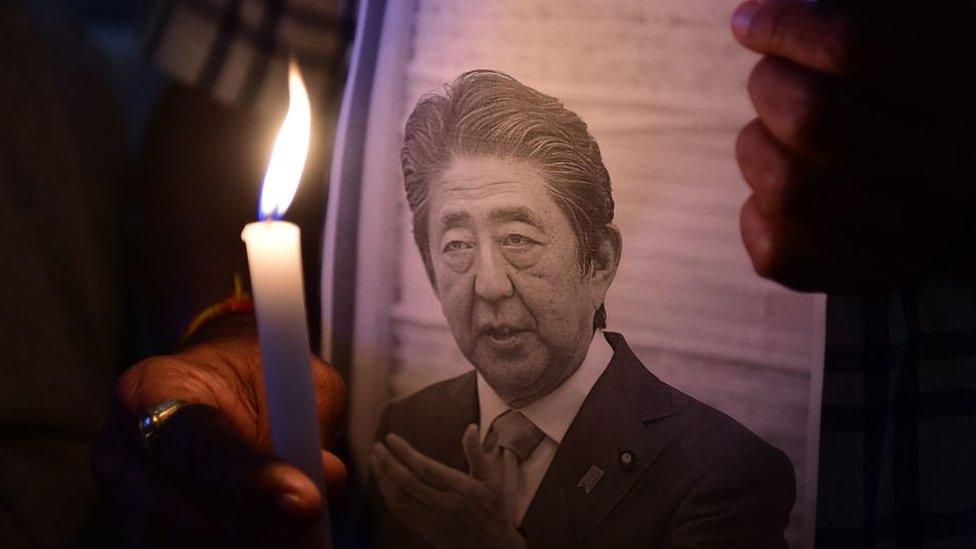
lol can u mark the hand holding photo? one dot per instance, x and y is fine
(512, 214)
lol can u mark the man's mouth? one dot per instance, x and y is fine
(503, 336)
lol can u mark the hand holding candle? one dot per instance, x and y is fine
(211, 480)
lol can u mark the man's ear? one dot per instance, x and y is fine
(606, 258)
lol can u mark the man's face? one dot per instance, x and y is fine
(507, 275)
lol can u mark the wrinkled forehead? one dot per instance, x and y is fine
(490, 189)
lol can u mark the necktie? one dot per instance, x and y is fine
(515, 432)
(518, 437)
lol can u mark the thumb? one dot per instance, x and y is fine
(508, 464)
(478, 465)
(488, 467)
(200, 449)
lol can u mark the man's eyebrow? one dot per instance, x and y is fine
(517, 213)
(453, 219)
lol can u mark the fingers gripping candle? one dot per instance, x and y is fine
(275, 262)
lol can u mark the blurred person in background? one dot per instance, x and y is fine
(62, 163)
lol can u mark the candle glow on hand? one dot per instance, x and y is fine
(289, 152)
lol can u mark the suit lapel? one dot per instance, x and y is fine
(614, 432)
(464, 400)
(435, 426)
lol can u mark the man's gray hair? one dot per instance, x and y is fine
(487, 112)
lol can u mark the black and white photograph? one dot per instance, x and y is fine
(559, 425)
(555, 337)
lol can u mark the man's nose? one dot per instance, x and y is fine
(491, 277)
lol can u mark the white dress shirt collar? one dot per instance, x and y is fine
(553, 413)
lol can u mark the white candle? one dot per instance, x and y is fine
(275, 262)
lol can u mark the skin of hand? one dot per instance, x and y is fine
(446, 507)
(211, 481)
(860, 162)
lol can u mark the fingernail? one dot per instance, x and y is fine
(742, 18)
(289, 504)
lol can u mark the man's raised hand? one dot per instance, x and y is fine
(446, 507)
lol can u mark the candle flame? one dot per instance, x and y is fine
(289, 152)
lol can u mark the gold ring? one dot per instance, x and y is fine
(152, 421)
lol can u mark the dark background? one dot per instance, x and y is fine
(116, 28)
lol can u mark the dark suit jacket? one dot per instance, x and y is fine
(699, 478)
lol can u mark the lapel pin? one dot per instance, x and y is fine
(627, 460)
(589, 480)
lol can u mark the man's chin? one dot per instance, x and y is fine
(512, 390)
(511, 374)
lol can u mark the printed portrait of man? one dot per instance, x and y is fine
(560, 436)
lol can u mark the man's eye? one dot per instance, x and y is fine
(516, 241)
(457, 246)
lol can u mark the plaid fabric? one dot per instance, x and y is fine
(898, 432)
(240, 48)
